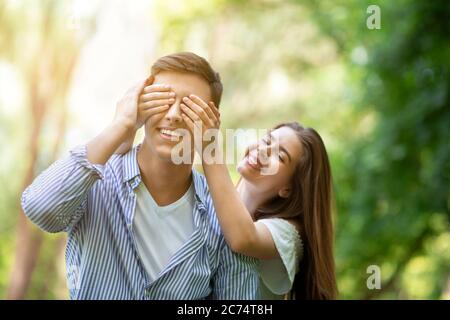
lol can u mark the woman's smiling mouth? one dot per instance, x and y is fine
(252, 161)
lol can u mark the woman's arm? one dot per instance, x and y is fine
(242, 234)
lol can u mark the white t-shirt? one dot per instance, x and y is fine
(161, 231)
(277, 275)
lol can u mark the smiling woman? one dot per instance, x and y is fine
(283, 218)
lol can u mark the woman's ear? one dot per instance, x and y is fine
(284, 192)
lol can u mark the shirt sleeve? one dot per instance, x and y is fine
(236, 277)
(56, 199)
(278, 274)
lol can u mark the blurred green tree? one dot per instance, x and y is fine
(393, 182)
(37, 40)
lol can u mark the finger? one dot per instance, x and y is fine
(156, 96)
(197, 122)
(188, 121)
(214, 109)
(212, 119)
(211, 114)
(198, 101)
(156, 88)
(199, 111)
(204, 106)
(150, 112)
(150, 80)
(155, 103)
(191, 114)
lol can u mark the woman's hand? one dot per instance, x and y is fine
(153, 99)
(200, 116)
(126, 109)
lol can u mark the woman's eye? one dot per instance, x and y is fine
(281, 158)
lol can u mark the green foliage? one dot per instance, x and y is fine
(393, 183)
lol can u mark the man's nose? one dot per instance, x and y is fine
(174, 113)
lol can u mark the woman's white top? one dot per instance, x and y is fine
(277, 275)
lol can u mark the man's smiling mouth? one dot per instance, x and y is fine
(170, 134)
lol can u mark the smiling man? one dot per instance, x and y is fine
(140, 226)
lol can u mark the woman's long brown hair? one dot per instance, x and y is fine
(310, 203)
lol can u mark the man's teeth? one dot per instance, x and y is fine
(170, 133)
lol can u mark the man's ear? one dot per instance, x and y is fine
(284, 192)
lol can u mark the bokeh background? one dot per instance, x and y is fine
(380, 99)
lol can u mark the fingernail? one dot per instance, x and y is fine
(185, 99)
(172, 94)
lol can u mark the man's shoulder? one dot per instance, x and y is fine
(115, 162)
(113, 168)
(122, 166)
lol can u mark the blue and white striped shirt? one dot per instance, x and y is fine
(95, 204)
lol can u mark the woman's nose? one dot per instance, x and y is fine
(263, 148)
(263, 153)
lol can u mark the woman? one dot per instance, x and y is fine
(284, 219)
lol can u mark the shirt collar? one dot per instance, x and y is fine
(199, 187)
(131, 171)
(130, 164)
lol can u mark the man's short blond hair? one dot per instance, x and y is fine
(191, 63)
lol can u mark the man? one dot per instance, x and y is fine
(139, 226)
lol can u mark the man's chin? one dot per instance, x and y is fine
(164, 153)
